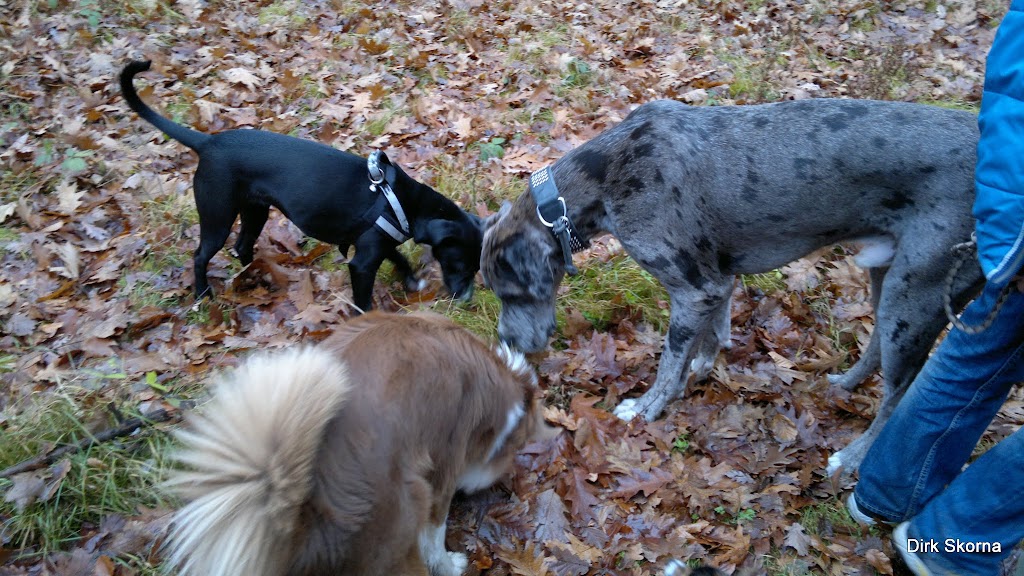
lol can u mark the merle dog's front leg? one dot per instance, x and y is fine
(688, 321)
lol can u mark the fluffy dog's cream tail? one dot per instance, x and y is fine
(248, 463)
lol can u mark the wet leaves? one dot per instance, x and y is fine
(99, 227)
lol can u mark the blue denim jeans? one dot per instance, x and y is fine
(914, 470)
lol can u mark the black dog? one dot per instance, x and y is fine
(327, 193)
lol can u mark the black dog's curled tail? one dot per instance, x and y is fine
(186, 136)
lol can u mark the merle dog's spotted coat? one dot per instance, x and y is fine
(698, 195)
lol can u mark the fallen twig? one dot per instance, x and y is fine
(127, 427)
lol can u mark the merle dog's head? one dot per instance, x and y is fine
(521, 264)
(455, 244)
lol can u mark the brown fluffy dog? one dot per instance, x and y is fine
(343, 458)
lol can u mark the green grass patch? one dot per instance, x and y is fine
(142, 294)
(331, 260)
(491, 148)
(554, 36)
(141, 291)
(376, 126)
(201, 313)
(750, 78)
(829, 516)
(286, 14)
(12, 185)
(8, 234)
(180, 109)
(766, 282)
(577, 74)
(682, 443)
(465, 186)
(778, 563)
(866, 22)
(886, 74)
(955, 105)
(116, 477)
(604, 291)
(139, 566)
(841, 334)
(479, 316)
(455, 22)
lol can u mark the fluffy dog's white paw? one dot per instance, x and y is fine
(627, 410)
(835, 463)
(421, 284)
(460, 562)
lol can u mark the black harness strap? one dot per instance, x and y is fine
(382, 173)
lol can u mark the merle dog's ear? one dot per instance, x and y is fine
(493, 219)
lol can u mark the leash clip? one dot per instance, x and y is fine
(374, 169)
(565, 239)
(557, 220)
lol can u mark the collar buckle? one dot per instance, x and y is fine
(546, 197)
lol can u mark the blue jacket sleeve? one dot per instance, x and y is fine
(999, 204)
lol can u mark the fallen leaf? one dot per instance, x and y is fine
(25, 489)
(244, 77)
(797, 539)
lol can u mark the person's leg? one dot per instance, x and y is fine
(948, 407)
(982, 507)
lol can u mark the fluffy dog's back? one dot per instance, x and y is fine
(250, 457)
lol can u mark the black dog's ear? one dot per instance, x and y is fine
(435, 231)
(493, 219)
(477, 221)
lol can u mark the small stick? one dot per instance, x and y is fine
(124, 429)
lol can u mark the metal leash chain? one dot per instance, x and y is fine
(961, 252)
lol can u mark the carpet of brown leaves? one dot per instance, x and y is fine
(98, 229)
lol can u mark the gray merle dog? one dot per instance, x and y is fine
(697, 195)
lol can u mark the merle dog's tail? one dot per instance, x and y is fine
(249, 463)
(186, 136)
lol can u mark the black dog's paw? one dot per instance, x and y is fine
(414, 284)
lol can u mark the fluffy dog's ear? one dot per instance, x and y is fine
(493, 219)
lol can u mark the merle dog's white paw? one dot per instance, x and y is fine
(627, 410)
(841, 380)
(835, 463)
(702, 366)
(460, 562)
(421, 284)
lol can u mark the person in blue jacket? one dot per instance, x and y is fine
(950, 519)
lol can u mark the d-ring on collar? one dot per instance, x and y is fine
(552, 213)
(400, 233)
